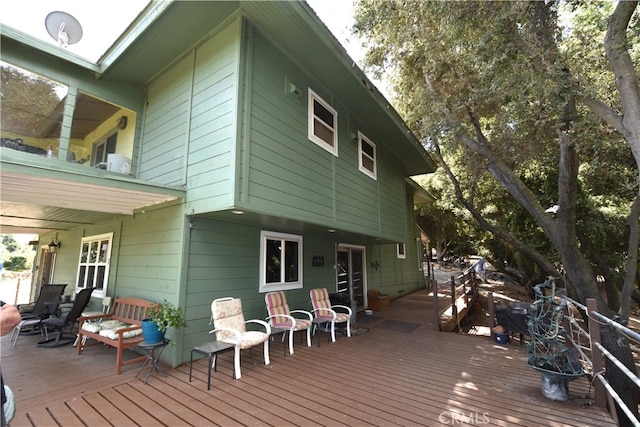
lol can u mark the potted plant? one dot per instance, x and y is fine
(164, 315)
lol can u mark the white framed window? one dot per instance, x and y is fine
(367, 156)
(93, 265)
(280, 261)
(323, 123)
(401, 251)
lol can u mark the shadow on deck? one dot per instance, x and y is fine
(398, 371)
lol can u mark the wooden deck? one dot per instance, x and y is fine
(399, 372)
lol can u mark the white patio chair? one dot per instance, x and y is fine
(230, 326)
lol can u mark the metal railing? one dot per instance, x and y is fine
(605, 395)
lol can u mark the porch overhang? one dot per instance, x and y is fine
(36, 200)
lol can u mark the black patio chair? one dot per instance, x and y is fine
(38, 307)
(57, 325)
(31, 321)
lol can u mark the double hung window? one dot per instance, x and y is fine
(367, 156)
(93, 266)
(401, 251)
(323, 124)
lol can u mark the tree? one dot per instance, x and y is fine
(16, 263)
(10, 244)
(499, 81)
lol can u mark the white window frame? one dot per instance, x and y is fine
(331, 148)
(401, 251)
(96, 264)
(283, 284)
(362, 139)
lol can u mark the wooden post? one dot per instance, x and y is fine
(15, 300)
(596, 356)
(492, 312)
(436, 309)
(454, 305)
(566, 324)
(464, 290)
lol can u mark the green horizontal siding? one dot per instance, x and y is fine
(224, 260)
(213, 130)
(166, 125)
(288, 175)
(150, 255)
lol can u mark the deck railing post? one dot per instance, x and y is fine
(436, 308)
(596, 357)
(566, 324)
(464, 291)
(492, 312)
(454, 306)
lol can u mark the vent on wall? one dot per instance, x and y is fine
(291, 89)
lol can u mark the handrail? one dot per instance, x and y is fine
(603, 390)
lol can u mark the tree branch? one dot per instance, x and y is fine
(539, 259)
(500, 171)
(615, 47)
(632, 259)
(608, 115)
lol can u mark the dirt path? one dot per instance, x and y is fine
(15, 288)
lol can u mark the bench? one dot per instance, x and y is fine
(121, 328)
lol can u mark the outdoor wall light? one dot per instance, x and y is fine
(122, 122)
(54, 245)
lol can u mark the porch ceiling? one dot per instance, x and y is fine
(36, 204)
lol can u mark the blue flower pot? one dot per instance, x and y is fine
(150, 332)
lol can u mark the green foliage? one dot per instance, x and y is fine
(10, 244)
(17, 263)
(26, 98)
(472, 54)
(167, 315)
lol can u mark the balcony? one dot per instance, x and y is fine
(44, 118)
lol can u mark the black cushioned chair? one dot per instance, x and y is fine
(32, 319)
(57, 325)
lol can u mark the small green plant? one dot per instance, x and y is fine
(167, 315)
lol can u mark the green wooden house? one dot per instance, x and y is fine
(223, 148)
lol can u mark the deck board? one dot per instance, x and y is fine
(383, 377)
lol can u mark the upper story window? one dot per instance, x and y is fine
(280, 261)
(367, 156)
(323, 123)
(31, 108)
(101, 129)
(401, 251)
(93, 266)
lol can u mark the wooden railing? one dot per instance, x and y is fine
(594, 354)
(462, 297)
